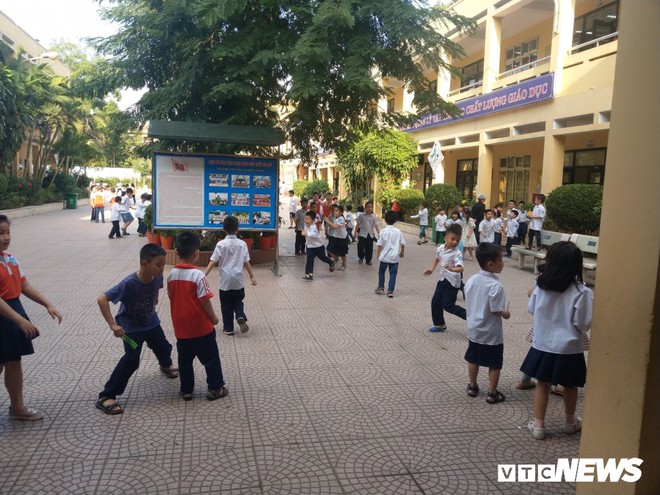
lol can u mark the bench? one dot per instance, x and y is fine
(588, 244)
(548, 238)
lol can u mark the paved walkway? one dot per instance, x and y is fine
(333, 390)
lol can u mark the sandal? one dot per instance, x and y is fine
(332, 267)
(525, 385)
(169, 372)
(111, 409)
(307, 276)
(29, 415)
(495, 397)
(472, 390)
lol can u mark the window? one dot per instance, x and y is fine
(514, 178)
(584, 166)
(433, 86)
(466, 177)
(596, 24)
(473, 73)
(390, 105)
(521, 55)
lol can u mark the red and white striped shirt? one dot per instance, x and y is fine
(186, 287)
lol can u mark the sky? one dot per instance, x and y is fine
(73, 20)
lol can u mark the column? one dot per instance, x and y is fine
(553, 162)
(562, 39)
(622, 407)
(485, 173)
(444, 79)
(492, 49)
(407, 104)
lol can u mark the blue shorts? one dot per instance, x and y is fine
(13, 342)
(127, 217)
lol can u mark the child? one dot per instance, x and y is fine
(300, 225)
(423, 215)
(468, 238)
(115, 217)
(293, 203)
(145, 200)
(536, 222)
(487, 228)
(485, 310)
(315, 248)
(350, 224)
(126, 216)
(231, 255)
(193, 319)
(318, 219)
(136, 318)
(523, 220)
(498, 223)
(451, 267)
(99, 204)
(511, 230)
(16, 330)
(338, 239)
(562, 307)
(390, 247)
(440, 228)
(365, 226)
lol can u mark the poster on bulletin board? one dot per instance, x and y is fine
(199, 191)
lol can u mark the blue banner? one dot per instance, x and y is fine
(538, 89)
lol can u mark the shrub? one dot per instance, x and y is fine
(576, 207)
(299, 187)
(444, 196)
(319, 186)
(4, 183)
(409, 200)
(385, 195)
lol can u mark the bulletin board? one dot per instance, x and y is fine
(199, 191)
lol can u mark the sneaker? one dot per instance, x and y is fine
(186, 397)
(309, 277)
(390, 294)
(216, 394)
(538, 433)
(574, 428)
(438, 328)
(360, 262)
(242, 324)
(228, 332)
(380, 291)
(425, 241)
(419, 243)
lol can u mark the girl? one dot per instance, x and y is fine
(469, 240)
(440, 228)
(16, 330)
(423, 215)
(338, 241)
(562, 308)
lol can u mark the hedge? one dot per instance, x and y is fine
(575, 208)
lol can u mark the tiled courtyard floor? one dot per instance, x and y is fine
(333, 390)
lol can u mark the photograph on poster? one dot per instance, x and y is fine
(240, 199)
(240, 181)
(218, 180)
(262, 200)
(243, 217)
(261, 182)
(261, 218)
(218, 199)
(217, 217)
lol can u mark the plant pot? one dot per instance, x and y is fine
(167, 241)
(249, 242)
(153, 238)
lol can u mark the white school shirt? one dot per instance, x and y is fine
(231, 254)
(312, 237)
(339, 232)
(350, 220)
(391, 239)
(484, 295)
(423, 215)
(512, 228)
(537, 224)
(367, 224)
(488, 228)
(561, 318)
(440, 223)
(115, 212)
(125, 204)
(499, 224)
(140, 207)
(522, 217)
(293, 204)
(453, 258)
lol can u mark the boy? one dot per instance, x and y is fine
(315, 248)
(193, 319)
(365, 225)
(390, 247)
(115, 217)
(300, 225)
(293, 203)
(137, 319)
(485, 310)
(350, 224)
(451, 262)
(536, 222)
(231, 255)
(487, 228)
(440, 227)
(522, 223)
(511, 230)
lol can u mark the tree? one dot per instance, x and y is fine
(238, 62)
(576, 208)
(444, 196)
(387, 154)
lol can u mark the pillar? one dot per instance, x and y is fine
(562, 39)
(553, 162)
(485, 174)
(492, 47)
(622, 405)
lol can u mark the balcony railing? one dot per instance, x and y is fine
(522, 68)
(468, 87)
(594, 43)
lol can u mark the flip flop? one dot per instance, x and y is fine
(111, 409)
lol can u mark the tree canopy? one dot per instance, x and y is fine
(239, 62)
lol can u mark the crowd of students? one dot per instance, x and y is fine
(120, 202)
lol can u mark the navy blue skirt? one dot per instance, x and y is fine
(489, 356)
(568, 370)
(13, 342)
(337, 246)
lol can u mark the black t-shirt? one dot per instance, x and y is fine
(478, 211)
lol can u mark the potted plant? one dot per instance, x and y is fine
(268, 240)
(251, 238)
(167, 238)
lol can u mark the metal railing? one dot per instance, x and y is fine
(523, 68)
(594, 43)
